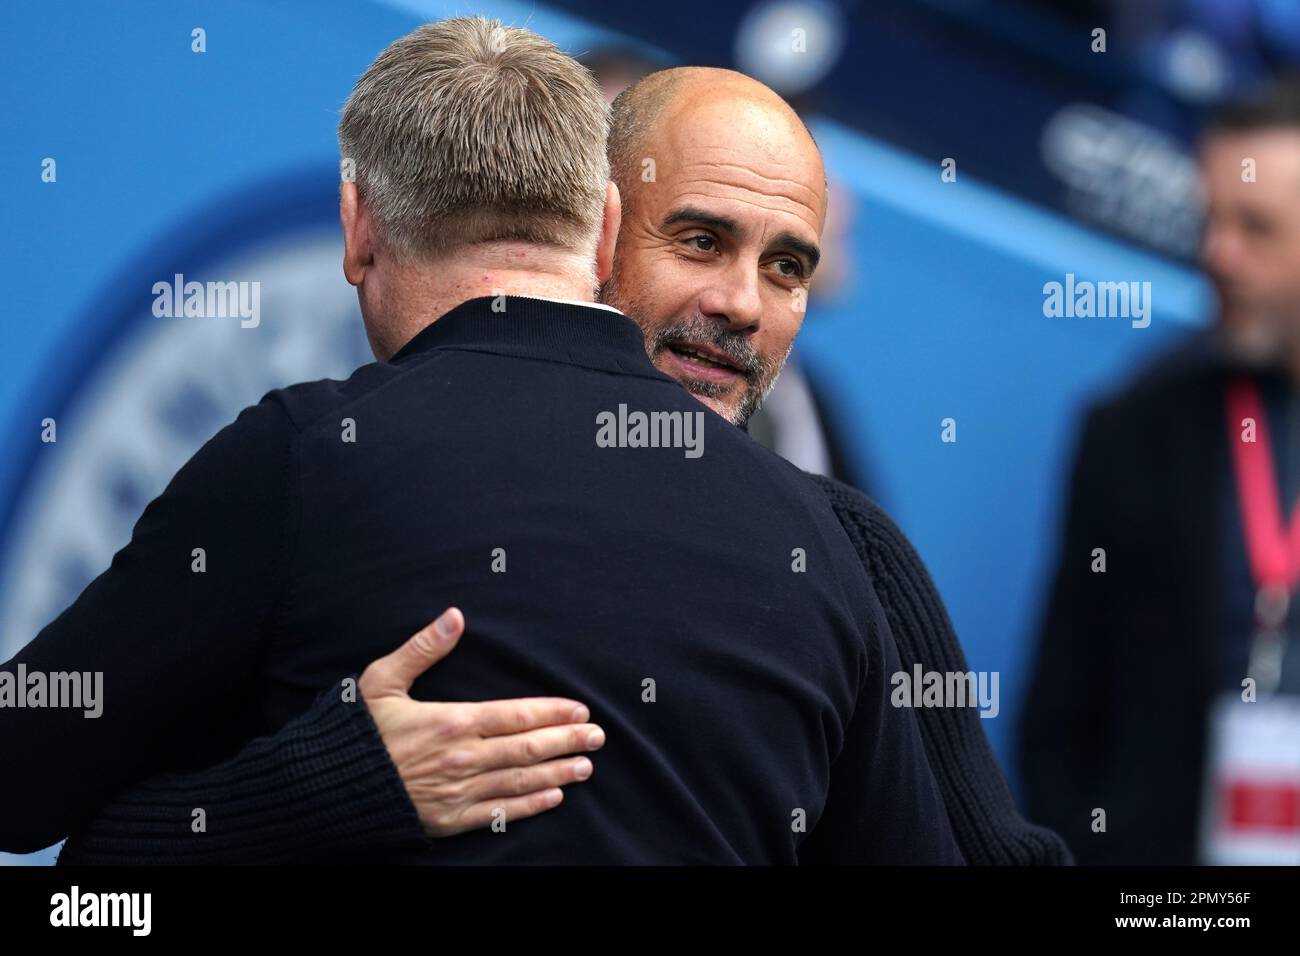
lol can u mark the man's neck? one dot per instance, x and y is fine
(419, 293)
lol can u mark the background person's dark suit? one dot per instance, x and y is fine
(1130, 660)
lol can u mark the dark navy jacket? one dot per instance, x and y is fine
(704, 602)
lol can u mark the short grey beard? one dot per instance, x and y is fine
(762, 375)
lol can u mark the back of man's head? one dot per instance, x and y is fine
(466, 131)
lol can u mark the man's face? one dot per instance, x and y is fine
(715, 254)
(1251, 246)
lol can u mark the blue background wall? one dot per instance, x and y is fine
(165, 156)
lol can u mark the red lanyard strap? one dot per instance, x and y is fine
(1273, 549)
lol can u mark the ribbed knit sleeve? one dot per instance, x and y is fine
(984, 818)
(321, 787)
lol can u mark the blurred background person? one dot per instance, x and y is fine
(1179, 562)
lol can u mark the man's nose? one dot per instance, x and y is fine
(1221, 250)
(734, 297)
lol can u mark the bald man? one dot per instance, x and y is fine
(724, 200)
(723, 204)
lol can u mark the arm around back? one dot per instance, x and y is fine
(983, 815)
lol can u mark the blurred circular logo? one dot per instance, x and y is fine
(154, 385)
(791, 45)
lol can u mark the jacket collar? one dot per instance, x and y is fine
(575, 333)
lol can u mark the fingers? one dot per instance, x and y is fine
(526, 749)
(395, 673)
(521, 781)
(461, 780)
(517, 793)
(493, 718)
(509, 809)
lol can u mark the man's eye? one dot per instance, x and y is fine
(795, 270)
(709, 243)
(1256, 225)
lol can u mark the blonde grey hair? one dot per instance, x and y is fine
(466, 131)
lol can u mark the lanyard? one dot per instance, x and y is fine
(1272, 548)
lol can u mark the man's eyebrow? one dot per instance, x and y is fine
(690, 214)
(788, 240)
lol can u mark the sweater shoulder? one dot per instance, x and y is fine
(867, 524)
(896, 572)
(307, 403)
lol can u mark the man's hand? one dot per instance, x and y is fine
(461, 762)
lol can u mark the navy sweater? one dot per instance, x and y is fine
(325, 784)
(745, 701)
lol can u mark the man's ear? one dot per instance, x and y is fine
(608, 234)
(358, 249)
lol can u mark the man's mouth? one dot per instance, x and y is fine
(703, 362)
